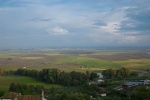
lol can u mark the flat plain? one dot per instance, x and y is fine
(77, 60)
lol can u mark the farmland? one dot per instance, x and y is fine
(69, 60)
(77, 60)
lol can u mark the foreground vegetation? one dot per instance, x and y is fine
(64, 75)
(76, 82)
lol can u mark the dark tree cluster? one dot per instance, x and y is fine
(25, 72)
(111, 73)
(141, 93)
(56, 76)
(69, 96)
(93, 90)
(138, 93)
(9, 73)
(25, 89)
(84, 92)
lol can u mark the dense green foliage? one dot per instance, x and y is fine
(78, 87)
(84, 92)
(26, 89)
(1, 93)
(56, 76)
(123, 72)
(141, 93)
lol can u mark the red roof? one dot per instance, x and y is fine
(29, 97)
(12, 95)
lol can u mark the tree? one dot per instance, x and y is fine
(12, 87)
(123, 72)
(1, 72)
(65, 79)
(134, 74)
(141, 93)
(2, 93)
(93, 76)
(109, 73)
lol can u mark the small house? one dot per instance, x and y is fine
(103, 94)
(100, 75)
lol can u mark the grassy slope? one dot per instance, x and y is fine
(5, 81)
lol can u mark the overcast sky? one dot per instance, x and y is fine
(74, 23)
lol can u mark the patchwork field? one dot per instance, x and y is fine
(78, 60)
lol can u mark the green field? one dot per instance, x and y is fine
(5, 81)
(77, 60)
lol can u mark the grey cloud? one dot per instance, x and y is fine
(14, 3)
(41, 19)
(66, 23)
(99, 23)
(137, 20)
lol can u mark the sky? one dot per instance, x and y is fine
(74, 23)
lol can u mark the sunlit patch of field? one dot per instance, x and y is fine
(106, 53)
(31, 58)
(85, 62)
(90, 69)
(7, 56)
(53, 54)
(134, 63)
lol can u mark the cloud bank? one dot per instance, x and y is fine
(74, 23)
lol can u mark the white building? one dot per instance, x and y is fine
(100, 75)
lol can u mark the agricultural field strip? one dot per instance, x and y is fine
(87, 62)
(75, 61)
(31, 58)
(7, 56)
(134, 63)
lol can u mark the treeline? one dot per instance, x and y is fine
(69, 96)
(56, 76)
(85, 92)
(138, 93)
(26, 89)
(122, 72)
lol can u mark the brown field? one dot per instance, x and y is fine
(28, 60)
(122, 56)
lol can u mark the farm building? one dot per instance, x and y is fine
(129, 86)
(100, 75)
(96, 82)
(140, 82)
